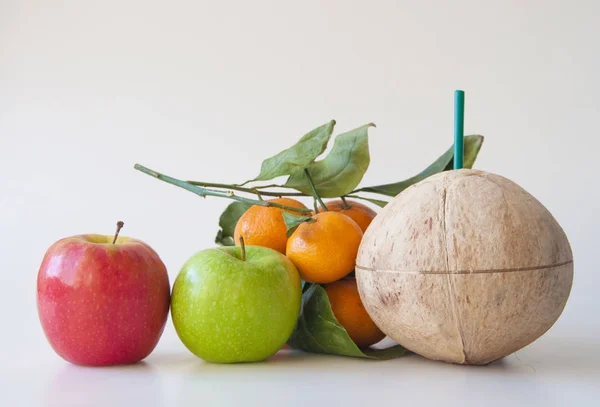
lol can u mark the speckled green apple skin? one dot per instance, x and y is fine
(226, 310)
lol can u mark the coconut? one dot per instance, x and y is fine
(464, 267)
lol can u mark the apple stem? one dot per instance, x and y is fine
(314, 189)
(120, 225)
(204, 192)
(243, 247)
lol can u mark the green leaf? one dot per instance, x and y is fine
(293, 221)
(472, 146)
(319, 331)
(298, 156)
(392, 352)
(444, 163)
(341, 171)
(227, 222)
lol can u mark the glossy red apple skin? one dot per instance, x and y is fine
(100, 303)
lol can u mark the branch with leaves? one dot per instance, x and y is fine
(337, 175)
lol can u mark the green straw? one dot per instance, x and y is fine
(459, 128)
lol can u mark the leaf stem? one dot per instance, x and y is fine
(363, 190)
(203, 192)
(345, 204)
(375, 201)
(314, 190)
(254, 190)
(268, 186)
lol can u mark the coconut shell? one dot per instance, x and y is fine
(464, 267)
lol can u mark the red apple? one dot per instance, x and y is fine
(102, 300)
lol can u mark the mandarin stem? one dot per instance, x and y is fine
(256, 190)
(204, 192)
(314, 190)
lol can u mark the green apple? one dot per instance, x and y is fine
(233, 304)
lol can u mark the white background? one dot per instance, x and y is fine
(207, 89)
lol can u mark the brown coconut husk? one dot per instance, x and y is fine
(464, 267)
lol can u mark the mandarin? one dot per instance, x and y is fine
(324, 249)
(264, 225)
(359, 213)
(350, 312)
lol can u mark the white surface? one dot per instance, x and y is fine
(206, 90)
(541, 376)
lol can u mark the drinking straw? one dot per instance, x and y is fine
(459, 127)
